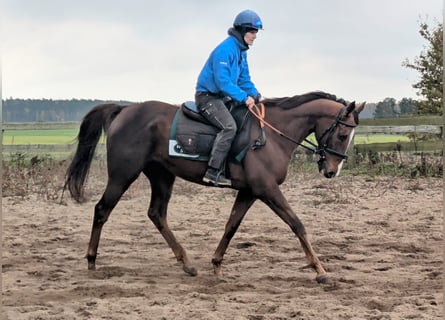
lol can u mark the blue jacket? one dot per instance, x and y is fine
(226, 71)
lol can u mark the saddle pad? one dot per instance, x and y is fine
(193, 139)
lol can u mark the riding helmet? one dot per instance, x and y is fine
(248, 19)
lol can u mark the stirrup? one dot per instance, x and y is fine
(217, 178)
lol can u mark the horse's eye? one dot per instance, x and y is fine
(342, 137)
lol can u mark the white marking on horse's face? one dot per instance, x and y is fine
(351, 136)
(340, 165)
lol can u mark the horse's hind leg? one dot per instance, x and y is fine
(102, 210)
(161, 182)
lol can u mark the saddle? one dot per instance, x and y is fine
(192, 136)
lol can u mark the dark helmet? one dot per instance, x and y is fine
(248, 19)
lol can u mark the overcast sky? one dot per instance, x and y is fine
(142, 50)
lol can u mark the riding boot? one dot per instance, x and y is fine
(216, 177)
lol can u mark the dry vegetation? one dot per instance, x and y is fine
(43, 175)
(379, 237)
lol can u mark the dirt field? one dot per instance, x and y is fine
(380, 239)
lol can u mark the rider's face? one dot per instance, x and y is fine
(249, 37)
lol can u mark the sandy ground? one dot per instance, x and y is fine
(380, 239)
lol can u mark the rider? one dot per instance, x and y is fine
(225, 75)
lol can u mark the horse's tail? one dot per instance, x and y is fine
(99, 118)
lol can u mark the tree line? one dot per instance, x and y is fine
(48, 110)
(390, 108)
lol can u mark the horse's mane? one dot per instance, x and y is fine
(291, 102)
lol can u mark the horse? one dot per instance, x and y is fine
(137, 142)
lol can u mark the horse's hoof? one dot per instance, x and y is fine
(323, 279)
(190, 270)
(217, 271)
(91, 266)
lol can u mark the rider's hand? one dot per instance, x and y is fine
(257, 97)
(250, 102)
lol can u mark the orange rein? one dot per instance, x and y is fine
(260, 113)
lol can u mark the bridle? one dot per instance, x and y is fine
(329, 133)
(259, 113)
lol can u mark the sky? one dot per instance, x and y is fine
(139, 50)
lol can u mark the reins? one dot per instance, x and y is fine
(260, 112)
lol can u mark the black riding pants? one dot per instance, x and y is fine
(215, 111)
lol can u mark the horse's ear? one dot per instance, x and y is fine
(360, 107)
(350, 107)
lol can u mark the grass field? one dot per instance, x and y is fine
(59, 136)
(403, 121)
(65, 133)
(379, 138)
(68, 136)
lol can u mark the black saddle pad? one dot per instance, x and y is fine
(192, 137)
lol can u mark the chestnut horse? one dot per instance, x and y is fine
(137, 142)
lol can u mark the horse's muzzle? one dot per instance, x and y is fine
(322, 168)
(330, 174)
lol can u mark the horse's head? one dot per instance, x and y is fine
(334, 139)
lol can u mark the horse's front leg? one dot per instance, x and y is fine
(278, 203)
(243, 202)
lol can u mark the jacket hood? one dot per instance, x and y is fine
(238, 36)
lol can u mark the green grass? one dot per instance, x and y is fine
(373, 138)
(34, 137)
(403, 121)
(59, 136)
(68, 136)
(379, 138)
